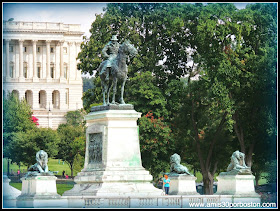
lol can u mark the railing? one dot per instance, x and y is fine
(171, 201)
(41, 26)
(29, 80)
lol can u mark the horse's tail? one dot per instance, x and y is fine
(99, 69)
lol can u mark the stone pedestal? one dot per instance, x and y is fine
(236, 185)
(39, 191)
(182, 184)
(9, 193)
(113, 164)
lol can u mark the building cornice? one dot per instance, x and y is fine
(43, 31)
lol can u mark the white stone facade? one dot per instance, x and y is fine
(39, 64)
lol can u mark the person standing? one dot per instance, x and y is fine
(166, 184)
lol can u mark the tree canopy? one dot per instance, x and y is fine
(208, 69)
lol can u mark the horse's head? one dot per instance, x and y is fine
(128, 49)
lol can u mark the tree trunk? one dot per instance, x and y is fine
(208, 178)
(249, 157)
(239, 132)
(208, 184)
(72, 170)
(8, 172)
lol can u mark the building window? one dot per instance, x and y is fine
(52, 72)
(65, 71)
(66, 97)
(11, 48)
(25, 49)
(11, 70)
(39, 72)
(55, 99)
(52, 50)
(52, 97)
(38, 49)
(64, 49)
(25, 70)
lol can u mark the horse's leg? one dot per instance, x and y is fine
(110, 84)
(104, 89)
(115, 81)
(122, 90)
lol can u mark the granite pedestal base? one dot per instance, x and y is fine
(39, 191)
(9, 193)
(182, 184)
(113, 164)
(236, 185)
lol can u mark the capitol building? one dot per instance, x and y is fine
(39, 65)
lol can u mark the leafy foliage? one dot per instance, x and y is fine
(70, 145)
(156, 143)
(73, 141)
(145, 95)
(209, 70)
(17, 115)
(76, 118)
(24, 145)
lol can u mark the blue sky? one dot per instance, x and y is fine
(68, 13)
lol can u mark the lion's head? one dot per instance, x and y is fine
(42, 158)
(175, 158)
(238, 155)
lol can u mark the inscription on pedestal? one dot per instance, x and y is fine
(95, 148)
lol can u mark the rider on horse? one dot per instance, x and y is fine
(110, 52)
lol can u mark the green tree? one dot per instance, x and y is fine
(235, 74)
(145, 95)
(233, 54)
(17, 117)
(156, 143)
(93, 96)
(24, 145)
(255, 99)
(76, 118)
(73, 141)
(207, 107)
(70, 145)
(87, 83)
(150, 27)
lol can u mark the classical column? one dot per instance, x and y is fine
(21, 94)
(70, 60)
(61, 59)
(62, 99)
(57, 58)
(48, 42)
(78, 72)
(35, 99)
(7, 41)
(34, 59)
(20, 41)
(49, 105)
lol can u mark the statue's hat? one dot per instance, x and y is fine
(114, 37)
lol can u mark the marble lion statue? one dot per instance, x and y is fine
(42, 163)
(237, 161)
(176, 167)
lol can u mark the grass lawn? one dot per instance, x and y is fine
(53, 165)
(61, 188)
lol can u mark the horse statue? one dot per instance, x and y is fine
(117, 73)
